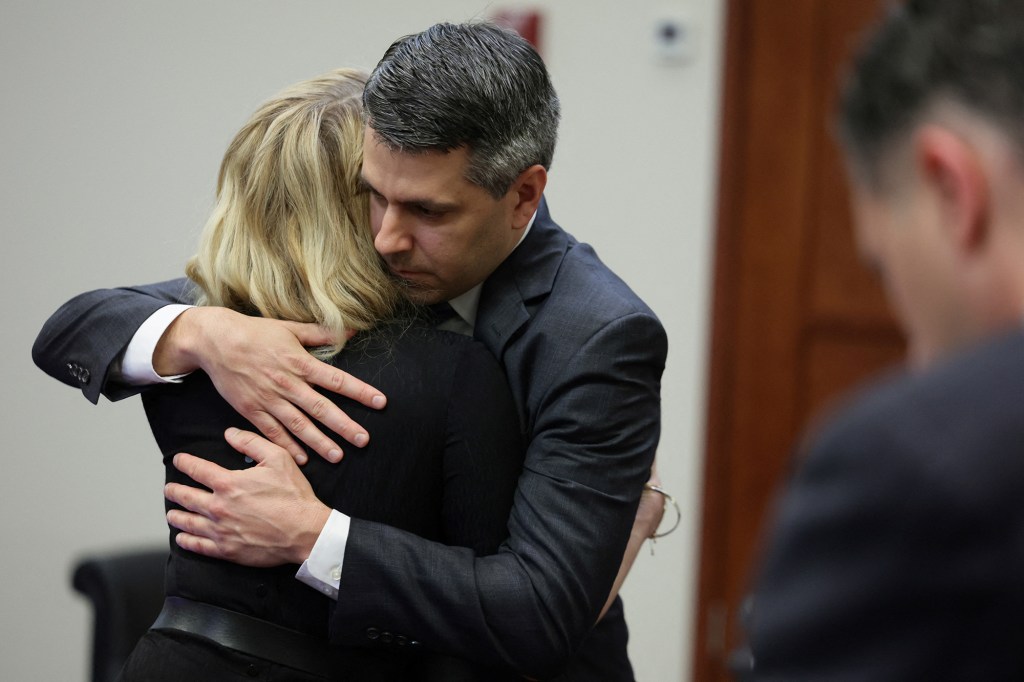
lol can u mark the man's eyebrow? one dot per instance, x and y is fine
(431, 205)
(363, 186)
(421, 204)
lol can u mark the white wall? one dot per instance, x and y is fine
(114, 117)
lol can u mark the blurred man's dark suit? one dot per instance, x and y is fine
(897, 551)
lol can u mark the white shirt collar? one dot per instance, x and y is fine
(466, 305)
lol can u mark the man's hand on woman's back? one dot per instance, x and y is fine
(262, 368)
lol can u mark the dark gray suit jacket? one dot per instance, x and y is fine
(897, 551)
(584, 357)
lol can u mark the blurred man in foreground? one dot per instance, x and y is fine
(897, 551)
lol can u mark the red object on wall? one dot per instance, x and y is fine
(524, 22)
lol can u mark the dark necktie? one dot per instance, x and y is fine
(441, 312)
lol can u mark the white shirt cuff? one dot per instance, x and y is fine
(322, 570)
(137, 363)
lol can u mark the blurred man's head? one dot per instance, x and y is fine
(461, 129)
(932, 120)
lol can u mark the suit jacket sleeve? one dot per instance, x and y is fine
(530, 605)
(83, 341)
(881, 566)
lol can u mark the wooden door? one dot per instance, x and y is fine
(796, 318)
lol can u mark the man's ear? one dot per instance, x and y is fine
(951, 168)
(526, 192)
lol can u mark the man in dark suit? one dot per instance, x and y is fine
(461, 128)
(897, 551)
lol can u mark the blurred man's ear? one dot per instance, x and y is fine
(951, 168)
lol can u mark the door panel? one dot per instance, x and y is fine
(797, 320)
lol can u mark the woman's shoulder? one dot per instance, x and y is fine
(414, 345)
(423, 371)
(415, 334)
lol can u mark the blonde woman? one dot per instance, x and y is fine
(289, 238)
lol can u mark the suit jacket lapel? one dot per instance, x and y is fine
(513, 290)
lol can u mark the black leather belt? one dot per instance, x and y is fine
(251, 636)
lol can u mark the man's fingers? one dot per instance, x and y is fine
(309, 334)
(191, 523)
(333, 379)
(255, 446)
(270, 427)
(200, 470)
(326, 411)
(194, 543)
(303, 428)
(193, 499)
(330, 415)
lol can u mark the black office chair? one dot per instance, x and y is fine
(127, 591)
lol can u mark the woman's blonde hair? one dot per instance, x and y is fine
(289, 237)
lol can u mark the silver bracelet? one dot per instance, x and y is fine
(668, 499)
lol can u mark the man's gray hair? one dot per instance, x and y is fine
(474, 85)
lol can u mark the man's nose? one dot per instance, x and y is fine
(393, 235)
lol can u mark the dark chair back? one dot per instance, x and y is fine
(127, 591)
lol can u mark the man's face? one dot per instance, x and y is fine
(902, 235)
(437, 231)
